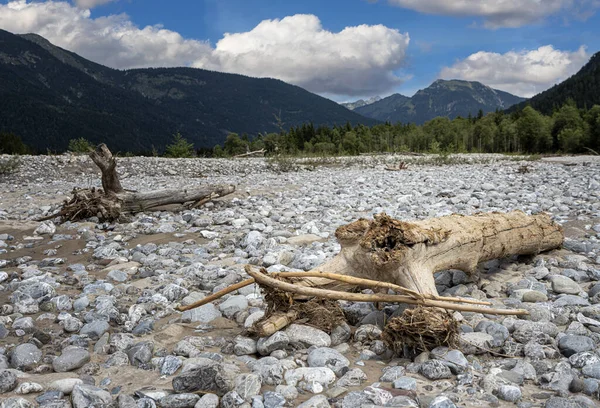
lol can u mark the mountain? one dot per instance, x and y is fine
(360, 103)
(49, 95)
(442, 98)
(583, 88)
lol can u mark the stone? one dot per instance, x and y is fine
(405, 383)
(95, 329)
(562, 284)
(88, 396)
(391, 374)
(318, 401)
(71, 358)
(509, 393)
(328, 357)
(244, 346)
(353, 378)
(247, 386)
(65, 385)
(277, 341)
(140, 353)
(309, 336)
(29, 387)
(592, 370)
(208, 401)
(25, 356)
(179, 401)
(8, 381)
(203, 378)
(442, 402)
(561, 402)
(534, 296)
(475, 342)
(435, 370)
(571, 344)
(169, 365)
(203, 314)
(16, 402)
(321, 375)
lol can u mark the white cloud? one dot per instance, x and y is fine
(523, 73)
(88, 4)
(358, 60)
(501, 13)
(113, 41)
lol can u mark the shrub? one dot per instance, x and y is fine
(12, 144)
(9, 165)
(180, 147)
(80, 146)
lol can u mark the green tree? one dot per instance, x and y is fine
(80, 146)
(180, 147)
(12, 144)
(234, 145)
(533, 131)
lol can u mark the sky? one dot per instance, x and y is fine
(341, 49)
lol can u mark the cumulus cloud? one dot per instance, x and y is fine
(88, 4)
(355, 61)
(523, 73)
(113, 41)
(501, 13)
(358, 60)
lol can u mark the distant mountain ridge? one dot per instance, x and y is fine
(450, 98)
(583, 88)
(360, 102)
(49, 95)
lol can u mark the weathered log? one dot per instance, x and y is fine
(408, 253)
(113, 201)
(256, 153)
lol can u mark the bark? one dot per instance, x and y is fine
(136, 202)
(408, 253)
(104, 159)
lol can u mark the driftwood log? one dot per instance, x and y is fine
(113, 201)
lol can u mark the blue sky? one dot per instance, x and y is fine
(521, 46)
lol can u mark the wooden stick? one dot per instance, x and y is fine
(263, 279)
(217, 295)
(275, 323)
(376, 284)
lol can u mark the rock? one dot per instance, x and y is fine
(391, 374)
(592, 370)
(277, 341)
(88, 396)
(340, 334)
(95, 329)
(169, 365)
(65, 385)
(273, 400)
(208, 401)
(8, 381)
(203, 314)
(454, 359)
(435, 370)
(509, 393)
(140, 353)
(560, 402)
(289, 392)
(72, 358)
(562, 284)
(318, 401)
(233, 305)
(475, 342)
(25, 356)
(247, 386)
(45, 228)
(405, 383)
(571, 344)
(353, 378)
(244, 346)
(534, 296)
(496, 330)
(203, 378)
(442, 402)
(16, 402)
(328, 357)
(29, 387)
(321, 375)
(309, 336)
(179, 401)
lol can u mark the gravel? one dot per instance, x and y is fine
(96, 303)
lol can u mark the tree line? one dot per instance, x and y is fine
(567, 130)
